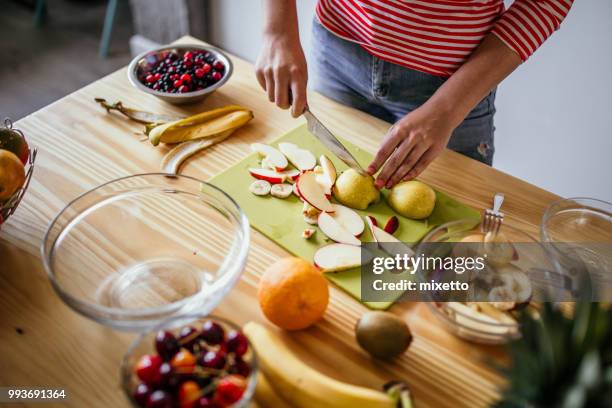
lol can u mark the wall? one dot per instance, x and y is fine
(554, 120)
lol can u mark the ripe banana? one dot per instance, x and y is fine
(266, 397)
(205, 124)
(303, 386)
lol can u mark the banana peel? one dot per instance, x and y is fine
(202, 125)
(172, 161)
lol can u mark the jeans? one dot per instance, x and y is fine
(345, 72)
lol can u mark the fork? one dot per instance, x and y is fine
(493, 218)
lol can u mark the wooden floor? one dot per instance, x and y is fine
(41, 64)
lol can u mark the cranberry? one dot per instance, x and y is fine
(174, 77)
(188, 63)
(178, 83)
(183, 89)
(218, 65)
(156, 86)
(199, 73)
(147, 368)
(237, 343)
(188, 55)
(186, 78)
(160, 399)
(213, 359)
(206, 68)
(212, 332)
(141, 394)
(171, 69)
(216, 76)
(230, 389)
(150, 79)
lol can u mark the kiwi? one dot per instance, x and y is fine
(382, 334)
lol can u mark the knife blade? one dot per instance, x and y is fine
(329, 140)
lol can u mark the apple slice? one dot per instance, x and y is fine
(339, 257)
(388, 242)
(274, 177)
(326, 176)
(391, 225)
(334, 231)
(348, 219)
(371, 220)
(302, 159)
(273, 158)
(312, 192)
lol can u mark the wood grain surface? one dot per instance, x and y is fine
(44, 343)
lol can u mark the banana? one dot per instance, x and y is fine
(202, 125)
(303, 386)
(265, 395)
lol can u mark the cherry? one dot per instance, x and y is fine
(147, 368)
(166, 344)
(160, 399)
(141, 394)
(240, 367)
(188, 393)
(237, 343)
(216, 76)
(213, 359)
(206, 402)
(230, 389)
(188, 337)
(166, 373)
(212, 332)
(186, 78)
(183, 362)
(218, 65)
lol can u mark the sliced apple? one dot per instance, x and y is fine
(391, 225)
(274, 177)
(339, 257)
(312, 192)
(272, 157)
(348, 219)
(371, 220)
(302, 159)
(326, 174)
(335, 231)
(388, 242)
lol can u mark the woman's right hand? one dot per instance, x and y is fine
(281, 71)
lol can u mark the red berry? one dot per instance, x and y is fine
(216, 76)
(206, 68)
(178, 83)
(174, 77)
(188, 63)
(213, 359)
(218, 65)
(183, 89)
(171, 69)
(150, 79)
(156, 86)
(212, 332)
(157, 76)
(147, 368)
(230, 389)
(188, 55)
(240, 367)
(206, 402)
(199, 73)
(160, 399)
(186, 78)
(141, 394)
(237, 343)
(165, 342)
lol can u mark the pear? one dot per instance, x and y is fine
(355, 190)
(412, 199)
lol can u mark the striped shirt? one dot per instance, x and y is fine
(437, 36)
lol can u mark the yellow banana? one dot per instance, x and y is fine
(205, 124)
(265, 395)
(300, 384)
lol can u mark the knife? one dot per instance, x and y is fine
(325, 136)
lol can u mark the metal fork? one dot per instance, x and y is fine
(493, 218)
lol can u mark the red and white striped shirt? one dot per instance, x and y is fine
(437, 36)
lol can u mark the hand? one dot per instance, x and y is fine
(281, 71)
(410, 146)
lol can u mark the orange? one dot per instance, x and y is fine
(12, 174)
(293, 294)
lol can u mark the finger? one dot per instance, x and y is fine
(387, 147)
(261, 78)
(298, 91)
(394, 162)
(281, 91)
(269, 76)
(422, 164)
(409, 162)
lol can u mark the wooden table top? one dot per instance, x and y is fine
(44, 343)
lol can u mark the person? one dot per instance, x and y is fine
(431, 67)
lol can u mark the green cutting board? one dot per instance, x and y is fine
(281, 220)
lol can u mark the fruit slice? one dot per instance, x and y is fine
(274, 177)
(272, 157)
(348, 219)
(391, 225)
(335, 231)
(386, 241)
(371, 220)
(308, 232)
(326, 174)
(302, 159)
(281, 190)
(517, 283)
(474, 319)
(260, 187)
(311, 220)
(339, 257)
(312, 192)
(302, 385)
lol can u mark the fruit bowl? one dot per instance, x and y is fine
(13, 140)
(180, 74)
(190, 361)
(140, 249)
(485, 314)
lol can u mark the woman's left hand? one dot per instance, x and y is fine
(410, 146)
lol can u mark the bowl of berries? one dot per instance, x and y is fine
(191, 361)
(180, 74)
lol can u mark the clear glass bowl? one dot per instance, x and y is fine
(528, 255)
(577, 233)
(140, 249)
(145, 344)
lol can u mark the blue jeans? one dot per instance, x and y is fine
(345, 72)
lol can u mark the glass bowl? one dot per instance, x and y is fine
(471, 315)
(145, 344)
(143, 62)
(140, 249)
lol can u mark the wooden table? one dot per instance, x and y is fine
(44, 343)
